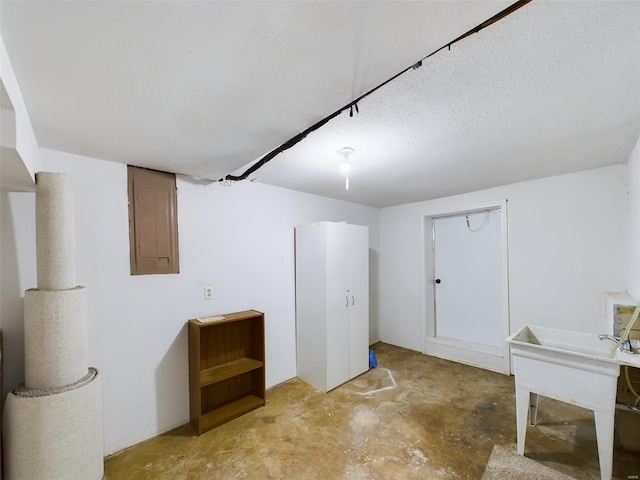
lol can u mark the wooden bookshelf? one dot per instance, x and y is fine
(226, 368)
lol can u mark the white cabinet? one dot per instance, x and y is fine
(332, 303)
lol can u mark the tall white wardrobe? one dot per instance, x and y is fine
(332, 303)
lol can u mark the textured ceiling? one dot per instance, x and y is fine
(554, 88)
(205, 88)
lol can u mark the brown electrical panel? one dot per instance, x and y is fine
(153, 221)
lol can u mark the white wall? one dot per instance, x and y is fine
(18, 272)
(566, 248)
(238, 239)
(633, 233)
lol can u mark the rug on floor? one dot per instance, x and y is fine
(506, 464)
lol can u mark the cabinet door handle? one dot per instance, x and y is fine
(352, 300)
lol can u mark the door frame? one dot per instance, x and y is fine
(491, 358)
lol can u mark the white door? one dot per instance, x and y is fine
(338, 301)
(469, 279)
(358, 293)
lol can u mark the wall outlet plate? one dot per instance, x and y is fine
(208, 292)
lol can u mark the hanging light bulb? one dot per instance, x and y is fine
(345, 166)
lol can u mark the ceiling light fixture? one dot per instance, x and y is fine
(345, 166)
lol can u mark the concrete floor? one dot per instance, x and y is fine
(441, 422)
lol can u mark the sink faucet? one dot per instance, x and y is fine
(625, 346)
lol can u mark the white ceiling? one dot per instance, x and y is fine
(206, 88)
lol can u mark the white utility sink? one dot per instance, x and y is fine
(573, 367)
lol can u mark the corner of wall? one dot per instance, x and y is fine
(632, 173)
(23, 152)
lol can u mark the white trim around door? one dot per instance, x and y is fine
(488, 357)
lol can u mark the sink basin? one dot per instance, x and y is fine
(579, 344)
(572, 367)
